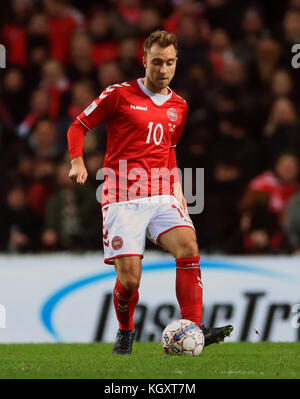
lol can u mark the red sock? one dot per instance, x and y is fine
(189, 288)
(125, 302)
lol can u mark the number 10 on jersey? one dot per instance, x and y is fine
(157, 127)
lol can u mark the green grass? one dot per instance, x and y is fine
(228, 360)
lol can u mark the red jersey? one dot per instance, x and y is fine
(279, 192)
(142, 129)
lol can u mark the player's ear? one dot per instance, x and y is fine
(144, 61)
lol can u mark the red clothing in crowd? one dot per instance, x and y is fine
(14, 39)
(60, 32)
(279, 191)
(104, 52)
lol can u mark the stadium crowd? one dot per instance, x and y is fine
(235, 72)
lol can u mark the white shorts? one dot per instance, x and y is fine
(126, 224)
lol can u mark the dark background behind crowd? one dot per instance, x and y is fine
(234, 71)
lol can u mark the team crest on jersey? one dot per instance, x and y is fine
(117, 243)
(172, 114)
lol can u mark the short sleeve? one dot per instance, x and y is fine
(101, 109)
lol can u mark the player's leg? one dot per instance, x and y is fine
(126, 296)
(173, 230)
(181, 242)
(124, 243)
(126, 290)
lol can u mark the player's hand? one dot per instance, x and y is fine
(78, 172)
(179, 195)
(184, 203)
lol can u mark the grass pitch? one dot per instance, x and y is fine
(263, 360)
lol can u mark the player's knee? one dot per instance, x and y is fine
(131, 282)
(187, 249)
(129, 273)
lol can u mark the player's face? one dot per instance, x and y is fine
(160, 65)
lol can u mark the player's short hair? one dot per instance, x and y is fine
(163, 38)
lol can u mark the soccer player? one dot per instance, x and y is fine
(144, 120)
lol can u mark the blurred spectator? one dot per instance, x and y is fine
(224, 14)
(69, 214)
(39, 108)
(62, 23)
(42, 186)
(277, 185)
(252, 24)
(252, 29)
(37, 48)
(81, 66)
(281, 131)
(124, 16)
(267, 58)
(259, 233)
(281, 84)
(14, 95)
(55, 83)
(220, 46)
(14, 32)
(149, 21)
(294, 4)
(291, 26)
(109, 74)
(234, 142)
(233, 74)
(220, 215)
(25, 169)
(24, 226)
(130, 10)
(292, 222)
(82, 95)
(43, 140)
(192, 47)
(182, 8)
(128, 58)
(104, 47)
(233, 81)
(289, 37)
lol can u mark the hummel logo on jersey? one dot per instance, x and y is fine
(138, 107)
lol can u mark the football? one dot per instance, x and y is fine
(182, 337)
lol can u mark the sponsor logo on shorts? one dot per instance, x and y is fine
(172, 114)
(117, 243)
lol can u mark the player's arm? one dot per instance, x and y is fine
(177, 188)
(76, 133)
(97, 112)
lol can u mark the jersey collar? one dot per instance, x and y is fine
(158, 99)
